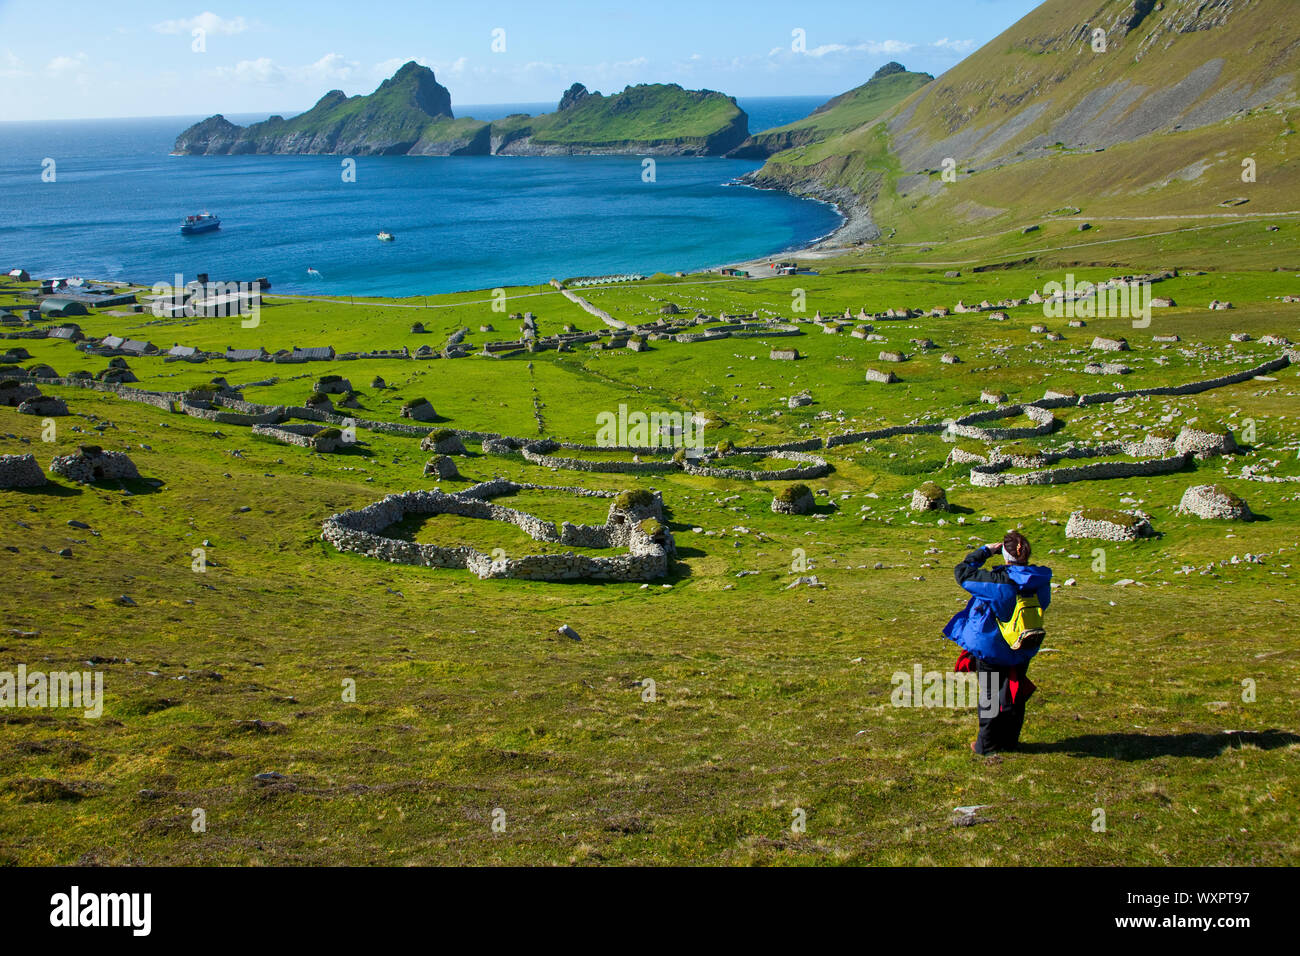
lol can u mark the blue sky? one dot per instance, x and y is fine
(61, 60)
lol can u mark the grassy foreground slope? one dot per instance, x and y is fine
(768, 699)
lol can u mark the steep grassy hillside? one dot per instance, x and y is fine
(1036, 122)
(890, 85)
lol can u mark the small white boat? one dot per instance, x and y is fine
(385, 236)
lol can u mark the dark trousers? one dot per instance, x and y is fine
(999, 730)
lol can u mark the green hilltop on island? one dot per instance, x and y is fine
(410, 114)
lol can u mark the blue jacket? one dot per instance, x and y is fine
(975, 628)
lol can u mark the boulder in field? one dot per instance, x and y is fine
(885, 378)
(1103, 344)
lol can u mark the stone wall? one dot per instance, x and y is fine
(991, 475)
(852, 438)
(808, 466)
(305, 436)
(647, 558)
(608, 467)
(1189, 388)
(1045, 423)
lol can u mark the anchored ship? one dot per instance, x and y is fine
(203, 222)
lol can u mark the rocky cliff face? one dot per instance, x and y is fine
(573, 96)
(215, 135)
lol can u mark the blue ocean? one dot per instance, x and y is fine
(114, 207)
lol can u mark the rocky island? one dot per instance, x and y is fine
(411, 114)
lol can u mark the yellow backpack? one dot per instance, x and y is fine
(1025, 629)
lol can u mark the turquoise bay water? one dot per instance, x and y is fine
(115, 206)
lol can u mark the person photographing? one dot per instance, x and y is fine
(999, 631)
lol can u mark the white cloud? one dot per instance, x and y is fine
(259, 72)
(206, 21)
(66, 65)
(872, 48)
(332, 67)
(957, 46)
(10, 66)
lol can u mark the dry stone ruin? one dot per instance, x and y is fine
(92, 463)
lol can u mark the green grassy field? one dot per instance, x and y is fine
(768, 700)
